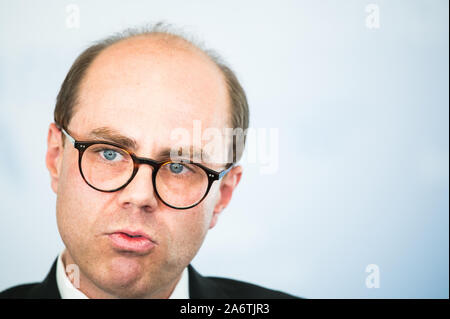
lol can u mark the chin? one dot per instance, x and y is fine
(125, 271)
(127, 277)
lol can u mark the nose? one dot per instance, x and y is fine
(140, 193)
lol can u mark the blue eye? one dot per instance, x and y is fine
(176, 168)
(109, 154)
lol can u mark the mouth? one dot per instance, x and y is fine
(130, 241)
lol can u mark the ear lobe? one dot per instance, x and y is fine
(54, 154)
(214, 219)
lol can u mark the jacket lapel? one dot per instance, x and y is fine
(202, 287)
(47, 289)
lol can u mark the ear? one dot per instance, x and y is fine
(227, 186)
(53, 158)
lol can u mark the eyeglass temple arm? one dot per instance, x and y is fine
(222, 174)
(70, 138)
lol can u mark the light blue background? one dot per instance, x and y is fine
(363, 119)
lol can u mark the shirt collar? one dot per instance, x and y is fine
(68, 291)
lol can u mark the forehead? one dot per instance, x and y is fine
(146, 88)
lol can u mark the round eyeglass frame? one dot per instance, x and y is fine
(81, 146)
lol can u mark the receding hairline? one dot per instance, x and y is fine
(163, 44)
(159, 40)
(161, 36)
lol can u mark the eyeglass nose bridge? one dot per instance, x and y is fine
(148, 161)
(138, 161)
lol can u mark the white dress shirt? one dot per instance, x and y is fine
(68, 291)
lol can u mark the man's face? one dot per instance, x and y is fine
(143, 89)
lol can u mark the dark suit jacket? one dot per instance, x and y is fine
(199, 288)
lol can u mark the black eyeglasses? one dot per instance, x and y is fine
(107, 167)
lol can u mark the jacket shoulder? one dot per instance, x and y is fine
(240, 289)
(19, 292)
(201, 287)
(46, 289)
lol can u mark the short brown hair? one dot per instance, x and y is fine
(68, 95)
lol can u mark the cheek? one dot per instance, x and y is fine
(199, 218)
(187, 230)
(74, 205)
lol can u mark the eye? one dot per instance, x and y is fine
(176, 168)
(110, 155)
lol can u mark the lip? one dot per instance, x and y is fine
(122, 241)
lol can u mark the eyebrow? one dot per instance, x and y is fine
(114, 136)
(111, 135)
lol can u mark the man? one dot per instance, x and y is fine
(133, 204)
